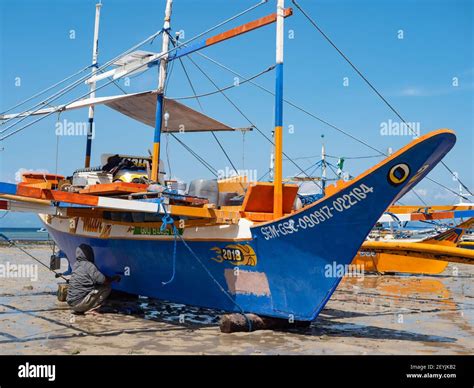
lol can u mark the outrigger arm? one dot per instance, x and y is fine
(182, 50)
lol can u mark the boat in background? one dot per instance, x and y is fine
(389, 256)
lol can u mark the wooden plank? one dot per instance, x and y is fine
(115, 188)
(258, 216)
(205, 212)
(119, 204)
(25, 199)
(88, 200)
(27, 207)
(399, 209)
(269, 19)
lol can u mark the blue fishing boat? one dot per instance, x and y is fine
(227, 244)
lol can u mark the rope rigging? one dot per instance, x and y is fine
(270, 68)
(12, 243)
(168, 220)
(250, 80)
(76, 83)
(354, 157)
(201, 107)
(42, 92)
(338, 157)
(258, 129)
(25, 114)
(323, 121)
(390, 106)
(290, 103)
(193, 153)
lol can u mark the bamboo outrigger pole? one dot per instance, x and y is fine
(278, 172)
(95, 54)
(159, 99)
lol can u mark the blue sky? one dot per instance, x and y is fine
(415, 73)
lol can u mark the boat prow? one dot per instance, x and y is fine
(305, 255)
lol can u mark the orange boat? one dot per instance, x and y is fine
(418, 257)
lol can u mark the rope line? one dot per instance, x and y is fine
(193, 153)
(258, 129)
(390, 106)
(42, 92)
(270, 68)
(325, 122)
(131, 70)
(12, 243)
(197, 97)
(226, 293)
(72, 86)
(292, 104)
(168, 220)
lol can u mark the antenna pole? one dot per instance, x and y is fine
(278, 170)
(323, 165)
(95, 55)
(159, 99)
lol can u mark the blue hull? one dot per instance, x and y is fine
(289, 275)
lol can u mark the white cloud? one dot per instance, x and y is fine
(417, 91)
(23, 170)
(444, 195)
(412, 91)
(421, 192)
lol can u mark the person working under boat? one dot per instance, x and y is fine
(88, 287)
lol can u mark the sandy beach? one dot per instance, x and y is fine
(371, 315)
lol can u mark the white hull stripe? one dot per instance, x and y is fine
(104, 229)
(124, 204)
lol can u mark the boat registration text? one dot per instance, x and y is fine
(322, 214)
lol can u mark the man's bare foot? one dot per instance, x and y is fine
(94, 311)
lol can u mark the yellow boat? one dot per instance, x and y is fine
(466, 244)
(428, 256)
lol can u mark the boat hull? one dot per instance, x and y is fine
(284, 268)
(388, 263)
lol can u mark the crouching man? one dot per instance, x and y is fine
(88, 287)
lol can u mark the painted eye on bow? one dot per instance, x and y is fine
(398, 174)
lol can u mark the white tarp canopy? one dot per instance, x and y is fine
(142, 107)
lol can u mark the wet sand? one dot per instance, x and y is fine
(370, 315)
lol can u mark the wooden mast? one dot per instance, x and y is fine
(95, 54)
(159, 99)
(278, 138)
